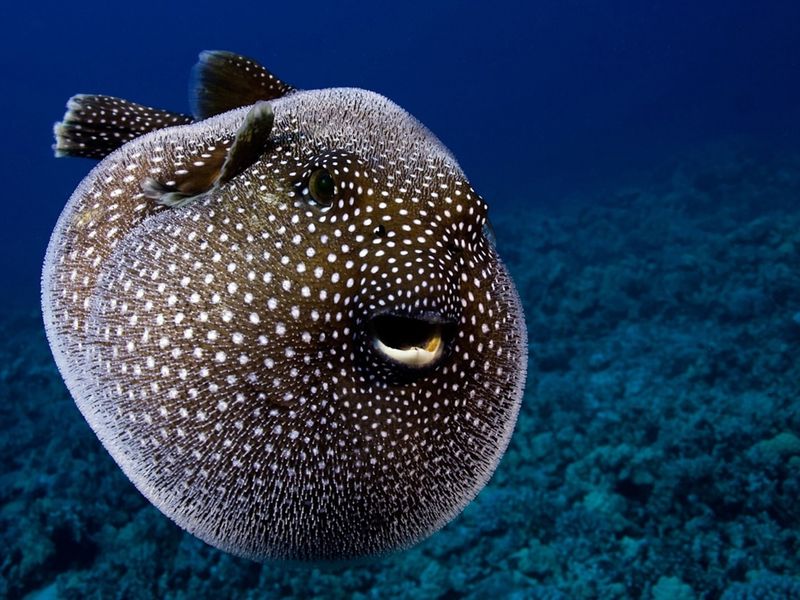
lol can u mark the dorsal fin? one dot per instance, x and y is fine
(194, 177)
(94, 126)
(222, 81)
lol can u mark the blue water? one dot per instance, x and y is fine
(641, 162)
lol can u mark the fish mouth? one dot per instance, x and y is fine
(416, 342)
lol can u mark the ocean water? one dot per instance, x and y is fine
(641, 161)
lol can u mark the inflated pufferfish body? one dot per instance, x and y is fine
(286, 322)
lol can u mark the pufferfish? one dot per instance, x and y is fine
(284, 317)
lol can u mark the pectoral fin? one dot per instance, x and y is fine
(251, 141)
(191, 180)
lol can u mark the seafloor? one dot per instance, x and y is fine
(657, 453)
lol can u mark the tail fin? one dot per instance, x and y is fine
(95, 126)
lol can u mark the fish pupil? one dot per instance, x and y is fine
(322, 187)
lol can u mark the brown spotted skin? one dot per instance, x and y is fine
(222, 350)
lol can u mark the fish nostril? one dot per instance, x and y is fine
(453, 247)
(413, 342)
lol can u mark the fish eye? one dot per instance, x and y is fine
(322, 187)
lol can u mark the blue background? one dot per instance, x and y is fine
(538, 100)
(642, 163)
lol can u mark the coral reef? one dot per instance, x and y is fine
(656, 456)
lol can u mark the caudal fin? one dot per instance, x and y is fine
(94, 126)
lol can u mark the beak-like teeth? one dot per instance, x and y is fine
(415, 356)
